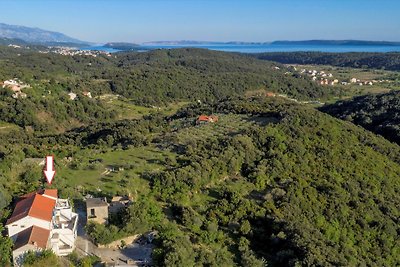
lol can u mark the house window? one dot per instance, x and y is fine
(22, 226)
(92, 213)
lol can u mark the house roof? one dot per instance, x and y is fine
(51, 193)
(95, 202)
(44, 192)
(203, 118)
(36, 205)
(34, 235)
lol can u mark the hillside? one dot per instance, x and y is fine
(388, 61)
(202, 74)
(155, 78)
(271, 182)
(377, 113)
(285, 188)
(35, 35)
(10, 41)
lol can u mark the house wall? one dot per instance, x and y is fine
(101, 215)
(20, 225)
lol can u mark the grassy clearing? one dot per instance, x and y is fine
(228, 124)
(6, 127)
(127, 110)
(113, 172)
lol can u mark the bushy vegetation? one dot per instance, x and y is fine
(149, 78)
(155, 76)
(51, 113)
(273, 183)
(387, 61)
(293, 187)
(301, 191)
(45, 258)
(377, 113)
(48, 258)
(5, 250)
(296, 187)
(143, 215)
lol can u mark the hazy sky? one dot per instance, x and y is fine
(210, 20)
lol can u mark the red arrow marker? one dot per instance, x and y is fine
(49, 172)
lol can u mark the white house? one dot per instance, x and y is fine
(87, 94)
(72, 96)
(39, 221)
(64, 232)
(15, 85)
(32, 209)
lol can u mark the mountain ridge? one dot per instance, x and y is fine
(35, 35)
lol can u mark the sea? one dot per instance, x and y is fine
(261, 48)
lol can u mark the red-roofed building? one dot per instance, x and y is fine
(41, 220)
(32, 209)
(33, 238)
(204, 118)
(53, 193)
(270, 94)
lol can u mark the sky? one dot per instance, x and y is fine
(139, 21)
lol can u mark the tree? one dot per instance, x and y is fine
(5, 198)
(6, 245)
(179, 253)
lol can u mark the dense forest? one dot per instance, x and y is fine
(387, 61)
(158, 75)
(378, 113)
(147, 79)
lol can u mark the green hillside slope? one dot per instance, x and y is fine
(388, 61)
(271, 182)
(307, 190)
(154, 78)
(377, 113)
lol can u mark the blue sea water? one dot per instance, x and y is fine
(100, 48)
(260, 48)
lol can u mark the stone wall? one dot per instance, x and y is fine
(117, 243)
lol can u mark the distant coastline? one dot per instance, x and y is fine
(338, 42)
(337, 46)
(279, 42)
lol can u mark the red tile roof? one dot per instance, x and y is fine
(203, 118)
(35, 205)
(33, 235)
(51, 192)
(48, 192)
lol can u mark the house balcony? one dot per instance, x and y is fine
(65, 250)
